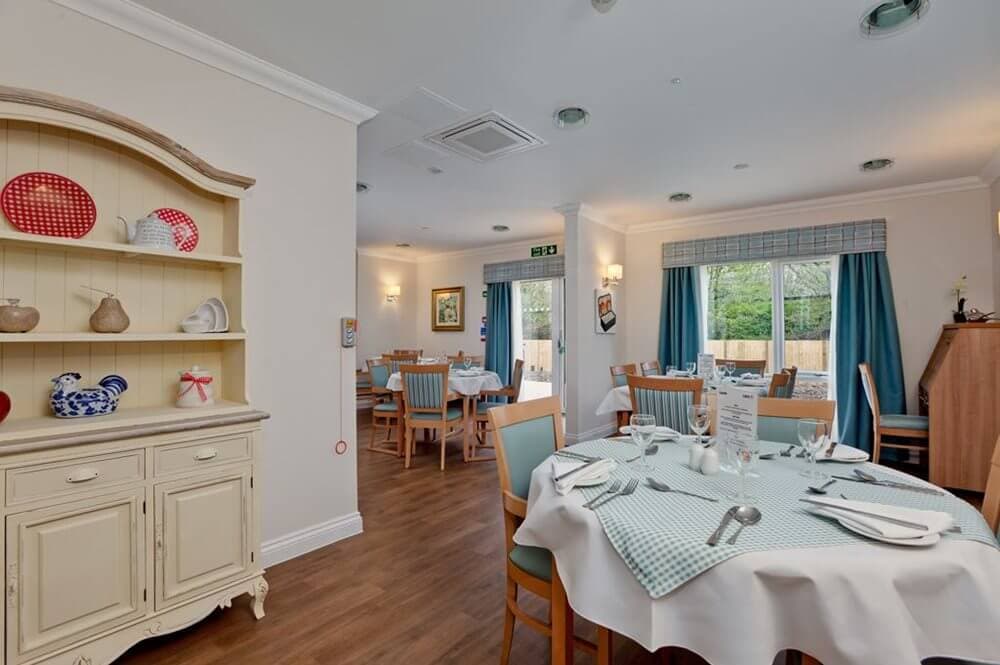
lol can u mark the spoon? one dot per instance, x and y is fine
(652, 450)
(746, 516)
(822, 488)
(788, 451)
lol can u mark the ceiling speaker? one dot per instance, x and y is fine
(603, 6)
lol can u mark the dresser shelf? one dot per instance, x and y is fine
(116, 338)
(84, 246)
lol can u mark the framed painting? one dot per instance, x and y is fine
(448, 309)
(604, 311)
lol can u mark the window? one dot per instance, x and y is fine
(779, 311)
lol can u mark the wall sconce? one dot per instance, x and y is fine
(392, 293)
(612, 275)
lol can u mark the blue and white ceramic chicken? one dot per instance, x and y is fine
(69, 400)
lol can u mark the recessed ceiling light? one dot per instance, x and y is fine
(876, 164)
(603, 6)
(675, 81)
(435, 170)
(362, 187)
(501, 228)
(892, 17)
(571, 117)
(680, 197)
(741, 166)
(403, 245)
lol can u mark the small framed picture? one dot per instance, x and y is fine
(448, 309)
(604, 311)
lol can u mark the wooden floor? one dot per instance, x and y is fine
(423, 585)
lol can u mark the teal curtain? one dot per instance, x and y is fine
(866, 331)
(680, 325)
(499, 356)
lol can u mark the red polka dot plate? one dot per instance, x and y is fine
(185, 230)
(48, 204)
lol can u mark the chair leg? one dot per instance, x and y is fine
(877, 449)
(605, 654)
(508, 623)
(407, 442)
(444, 445)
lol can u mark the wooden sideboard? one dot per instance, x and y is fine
(960, 394)
(122, 527)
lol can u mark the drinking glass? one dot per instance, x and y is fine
(698, 419)
(467, 361)
(643, 428)
(745, 453)
(691, 368)
(813, 436)
(730, 369)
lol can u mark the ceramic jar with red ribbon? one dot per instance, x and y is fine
(195, 388)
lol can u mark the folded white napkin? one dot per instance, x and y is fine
(935, 521)
(661, 434)
(750, 376)
(596, 470)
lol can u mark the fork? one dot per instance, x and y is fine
(629, 488)
(611, 490)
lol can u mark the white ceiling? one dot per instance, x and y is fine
(787, 86)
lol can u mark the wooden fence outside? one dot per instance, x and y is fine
(806, 354)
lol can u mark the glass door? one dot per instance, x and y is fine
(537, 336)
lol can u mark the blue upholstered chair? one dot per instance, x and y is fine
(788, 391)
(526, 434)
(396, 359)
(778, 418)
(666, 400)
(510, 392)
(991, 500)
(650, 368)
(744, 366)
(619, 374)
(426, 397)
(914, 429)
(385, 412)
(779, 385)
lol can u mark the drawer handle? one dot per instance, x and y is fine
(206, 454)
(83, 475)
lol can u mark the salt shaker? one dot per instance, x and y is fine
(710, 462)
(695, 454)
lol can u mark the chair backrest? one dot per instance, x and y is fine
(397, 359)
(779, 385)
(425, 388)
(650, 368)
(619, 372)
(743, 366)
(991, 501)
(379, 371)
(778, 419)
(457, 358)
(868, 382)
(524, 435)
(789, 390)
(409, 352)
(516, 379)
(666, 400)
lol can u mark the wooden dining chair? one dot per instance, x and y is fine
(397, 359)
(789, 390)
(744, 366)
(914, 429)
(665, 399)
(778, 418)
(426, 397)
(409, 352)
(650, 368)
(386, 411)
(991, 500)
(618, 379)
(526, 434)
(779, 385)
(511, 392)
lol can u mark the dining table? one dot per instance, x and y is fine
(640, 565)
(618, 398)
(467, 384)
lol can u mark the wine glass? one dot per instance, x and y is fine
(813, 436)
(643, 428)
(691, 368)
(467, 362)
(730, 369)
(745, 454)
(698, 419)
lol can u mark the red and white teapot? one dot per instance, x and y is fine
(195, 388)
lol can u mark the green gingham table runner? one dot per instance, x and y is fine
(661, 536)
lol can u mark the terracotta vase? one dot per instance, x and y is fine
(109, 317)
(16, 319)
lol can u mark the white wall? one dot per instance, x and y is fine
(932, 241)
(994, 230)
(384, 326)
(589, 247)
(462, 269)
(299, 237)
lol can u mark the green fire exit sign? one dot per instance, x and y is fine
(543, 250)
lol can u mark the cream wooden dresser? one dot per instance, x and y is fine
(122, 527)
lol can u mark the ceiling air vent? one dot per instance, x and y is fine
(485, 138)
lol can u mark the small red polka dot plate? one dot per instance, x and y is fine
(48, 204)
(185, 230)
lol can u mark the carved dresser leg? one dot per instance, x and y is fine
(259, 592)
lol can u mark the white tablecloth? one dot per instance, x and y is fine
(853, 605)
(457, 383)
(618, 398)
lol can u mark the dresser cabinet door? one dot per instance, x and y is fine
(73, 571)
(202, 535)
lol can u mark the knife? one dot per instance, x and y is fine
(895, 485)
(576, 470)
(726, 519)
(885, 518)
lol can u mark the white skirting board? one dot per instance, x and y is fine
(590, 435)
(311, 538)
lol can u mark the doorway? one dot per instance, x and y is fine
(538, 336)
